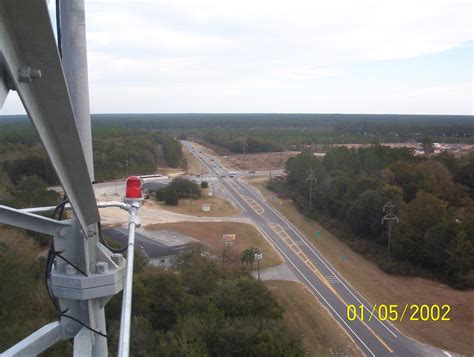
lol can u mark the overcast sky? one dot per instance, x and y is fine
(331, 56)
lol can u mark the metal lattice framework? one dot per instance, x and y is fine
(54, 92)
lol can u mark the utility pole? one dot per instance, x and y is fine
(270, 160)
(244, 149)
(390, 216)
(311, 178)
(190, 199)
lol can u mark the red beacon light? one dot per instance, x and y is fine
(134, 188)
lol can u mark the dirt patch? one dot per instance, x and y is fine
(321, 335)
(261, 161)
(381, 288)
(210, 233)
(219, 207)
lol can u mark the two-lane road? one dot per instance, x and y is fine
(374, 337)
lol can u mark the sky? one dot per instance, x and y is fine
(298, 56)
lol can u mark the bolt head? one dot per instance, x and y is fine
(101, 267)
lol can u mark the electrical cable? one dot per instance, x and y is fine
(58, 254)
(58, 212)
(83, 324)
(104, 242)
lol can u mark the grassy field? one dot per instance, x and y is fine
(219, 207)
(321, 335)
(210, 233)
(194, 165)
(378, 287)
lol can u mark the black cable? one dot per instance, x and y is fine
(83, 324)
(58, 212)
(58, 28)
(58, 254)
(47, 276)
(104, 242)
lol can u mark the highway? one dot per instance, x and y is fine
(374, 337)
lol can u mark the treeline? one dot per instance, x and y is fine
(288, 131)
(117, 151)
(239, 144)
(433, 199)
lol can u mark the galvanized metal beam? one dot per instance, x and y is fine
(31, 221)
(74, 45)
(37, 342)
(29, 53)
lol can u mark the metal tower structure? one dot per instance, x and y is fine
(84, 274)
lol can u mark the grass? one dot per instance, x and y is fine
(219, 207)
(382, 288)
(194, 165)
(321, 335)
(210, 233)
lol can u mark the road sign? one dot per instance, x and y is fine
(228, 237)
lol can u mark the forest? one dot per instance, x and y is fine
(433, 199)
(274, 131)
(26, 171)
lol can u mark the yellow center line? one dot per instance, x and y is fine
(295, 248)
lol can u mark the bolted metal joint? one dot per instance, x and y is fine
(117, 258)
(101, 267)
(27, 74)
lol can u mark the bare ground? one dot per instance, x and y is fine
(210, 233)
(261, 161)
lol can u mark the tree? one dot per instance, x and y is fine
(248, 256)
(204, 184)
(185, 188)
(427, 144)
(171, 197)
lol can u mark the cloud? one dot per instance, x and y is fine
(265, 55)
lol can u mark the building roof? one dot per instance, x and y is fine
(154, 185)
(151, 248)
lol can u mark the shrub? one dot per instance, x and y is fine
(204, 184)
(160, 194)
(171, 197)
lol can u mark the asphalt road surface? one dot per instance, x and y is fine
(374, 337)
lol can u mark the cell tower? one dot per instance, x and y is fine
(82, 274)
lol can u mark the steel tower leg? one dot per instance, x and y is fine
(74, 51)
